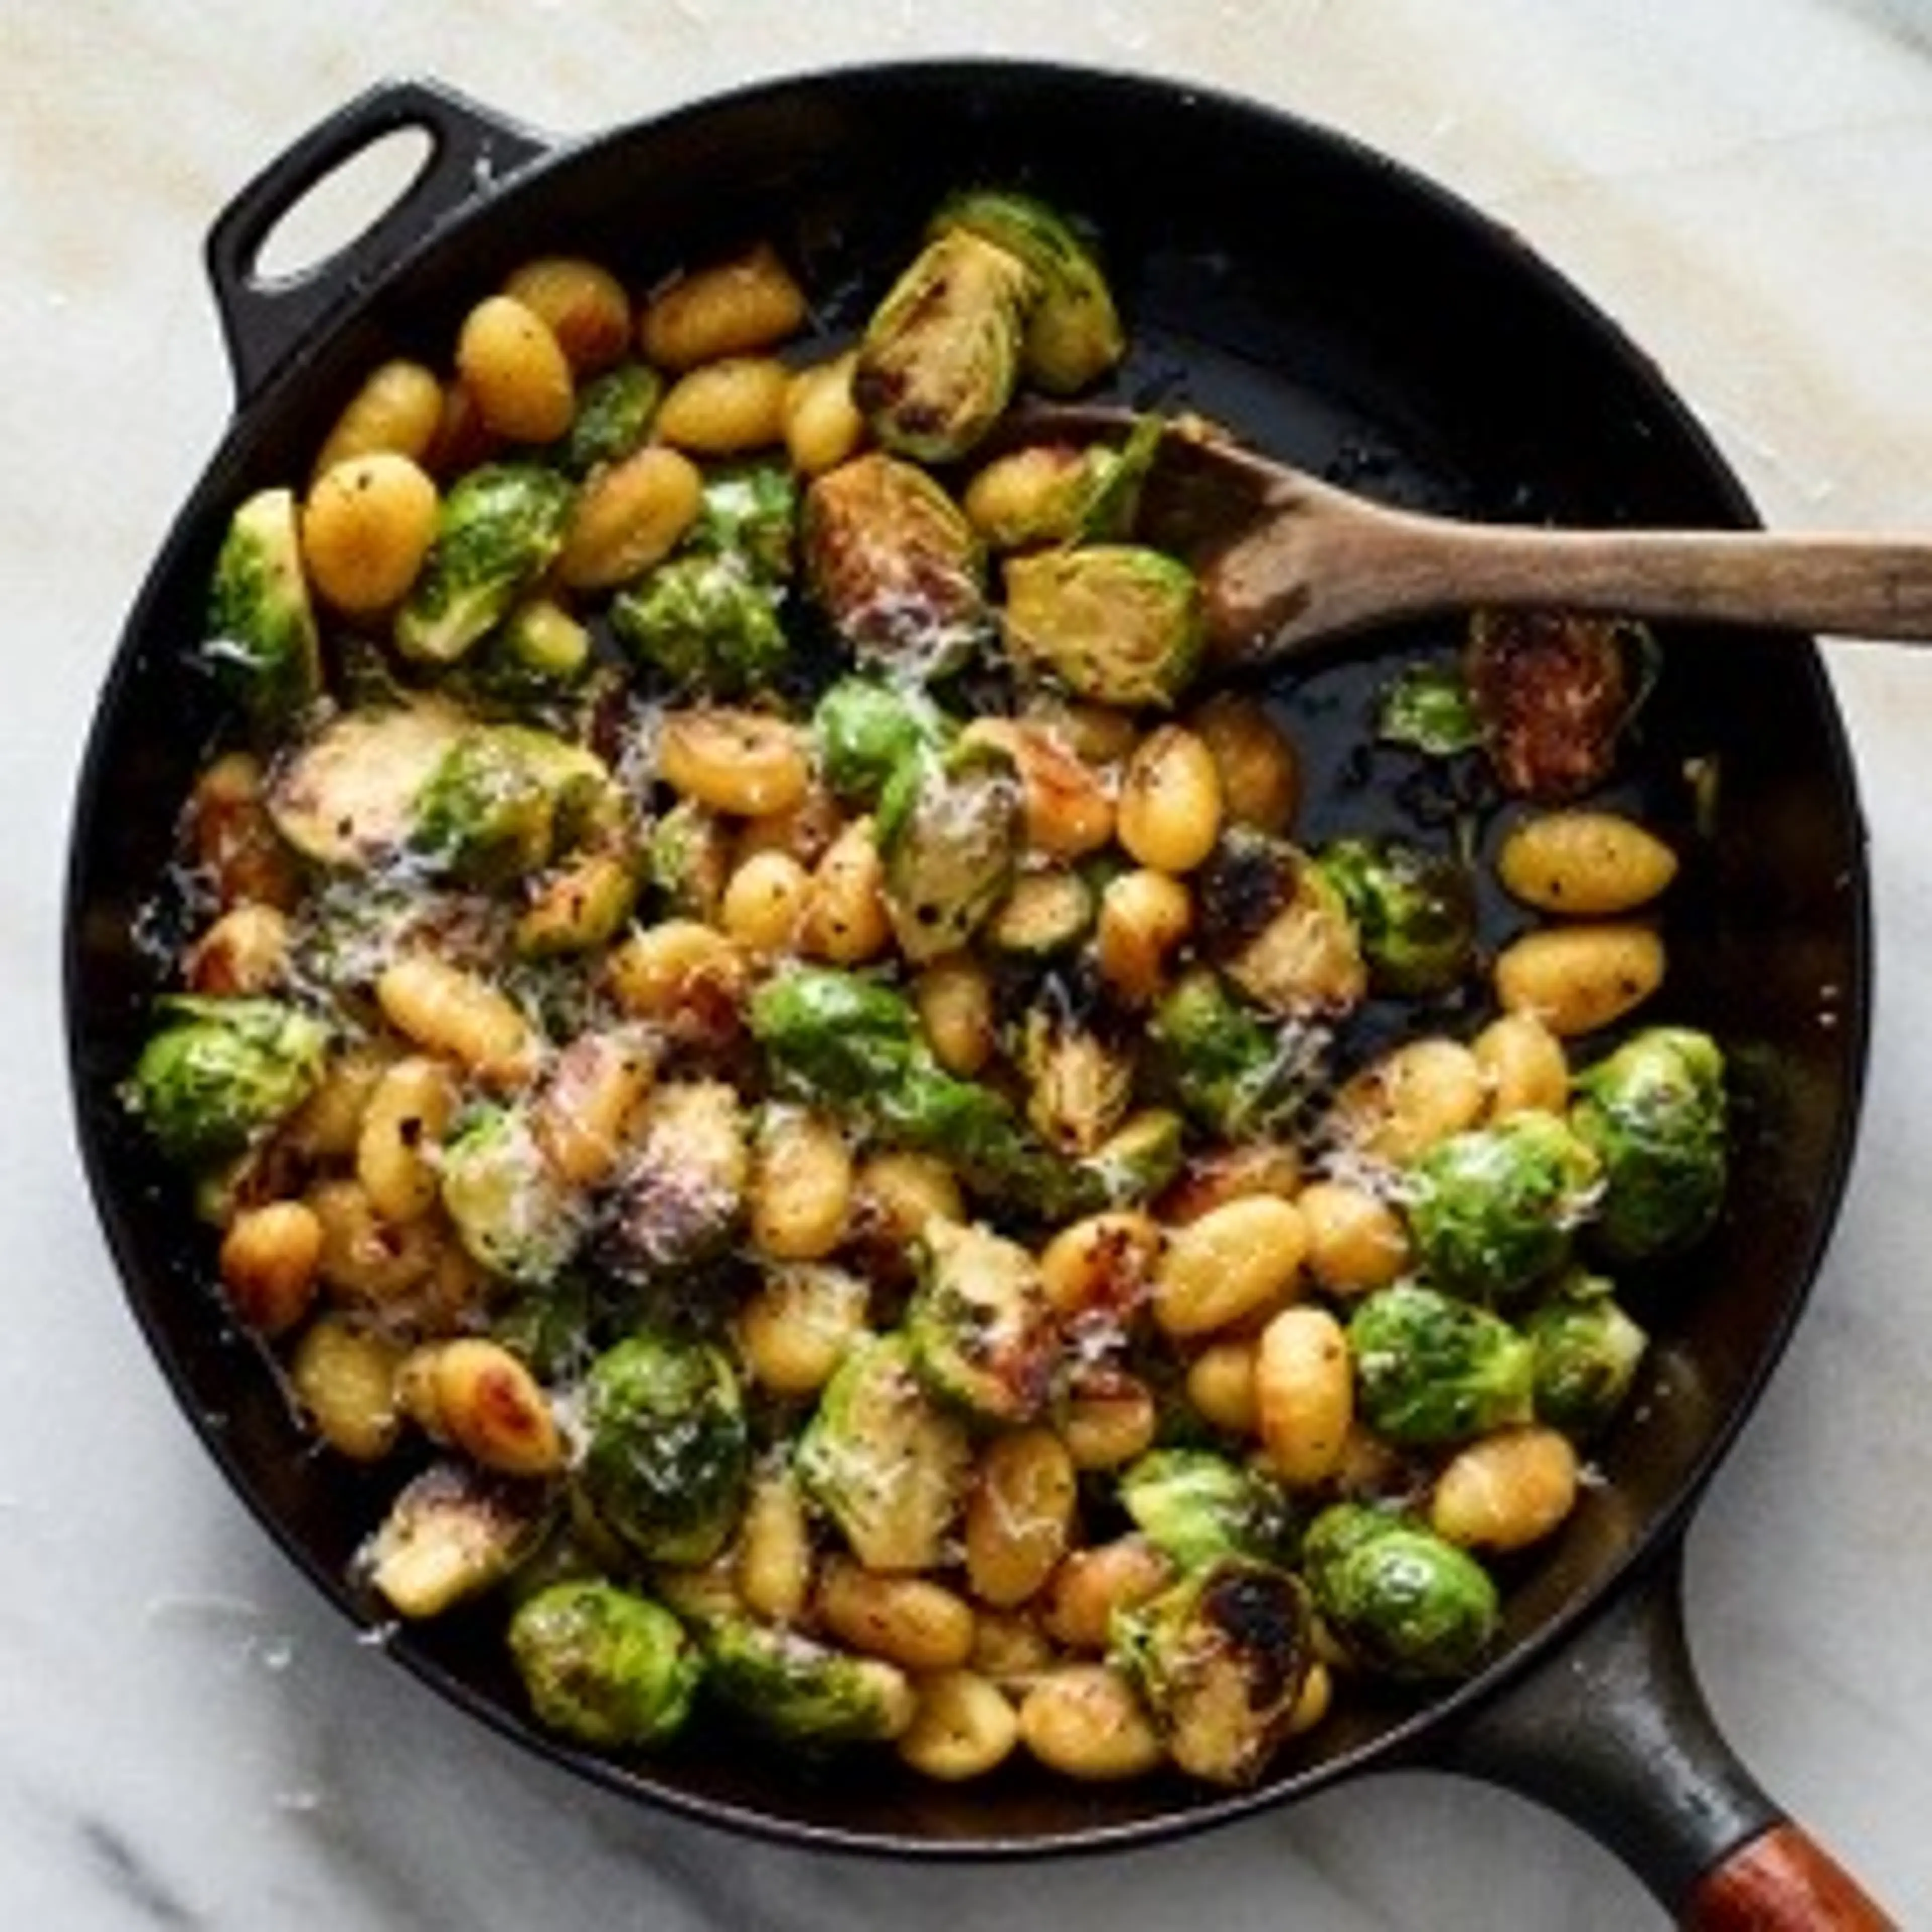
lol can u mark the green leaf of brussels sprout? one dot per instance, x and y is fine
(262, 644)
(802, 1690)
(1195, 1505)
(1414, 913)
(1116, 622)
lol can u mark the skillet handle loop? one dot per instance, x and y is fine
(263, 318)
(1613, 1732)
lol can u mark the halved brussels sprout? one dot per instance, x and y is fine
(1073, 335)
(940, 357)
(1236, 1075)
(1080, 1077)
(949, 829)
(982, 1330)
(1275, 925)
(803, 1691)
(1414, 912)
(499, 527)
(262, 644)
(680, 1200)
(1219, 1658)
(453, 1532)
(884, 1459)
(896, 568)
(502, 801)
(1116, 622)
(1196, 1506)
(510, 1210)
(613, 416)
(864, 729)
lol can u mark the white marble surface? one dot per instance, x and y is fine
(188, 1740)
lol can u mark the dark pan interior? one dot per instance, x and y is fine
(1344, 315)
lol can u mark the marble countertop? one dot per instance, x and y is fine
(191, 1740)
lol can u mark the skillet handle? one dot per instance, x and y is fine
(263, 319)
(1613, 1732)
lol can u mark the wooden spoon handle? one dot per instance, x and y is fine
(1781, 1882)
(1853, 585)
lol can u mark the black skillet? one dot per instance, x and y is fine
(1349, 317)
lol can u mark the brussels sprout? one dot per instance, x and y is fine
(897, 570)
(1234, 1074)
(991, 1149)
(802, 1691)
(688, 860)
(864, 730)
(1219, 1658)
(706, 622)
(1654, 1114)
(604, 1665)
(1131, 1165)
(1587, 1352)
(1196, 1506)
(940, 359)
(749, 514)
(1397, 1595)
(510, 1210)
(666, 1452)
(1553, 691)
(539, 653)
(981, 1331)
(1427, 708)
(219, 1074)
(949, 830)
(1047, 914)
(1275, 925)
(500, 526)
(613, 416)
(501, 802)
(680, 1200)
(582, 906)
(263, 644)
(1080, 1077)
(346, 797)
(883, 1459)
(1112, 621)
(1063, 493)
(452, 1533)
(1073, 335)
(1493, 1211)
(1413, 912)
(1431, 1369)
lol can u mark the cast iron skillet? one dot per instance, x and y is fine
(1350, 317)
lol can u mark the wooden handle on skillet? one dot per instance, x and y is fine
(1613, 1731)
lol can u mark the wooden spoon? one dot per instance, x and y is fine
(1288, 561)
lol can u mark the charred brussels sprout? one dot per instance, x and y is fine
(502, 802)
(1277, 926)
(940, 357)
(1493, 1211)
(262, 644)
(883, 1459)
(453, 1532)
(219, 1074)
(1552, 691)
(1587, 1351)
(803, 1691)
(706, 623)
(1235, 1074)
(1431, 1369)
(864, 730)
(981, 1330)
(680, 1202)
(509, 1210)
(604, 1665)
(613, 416)
(1114, 622)
(500, 526)
(1073, 335)
(949, 829)
(665, 1450)
(1397, 1595)
(1196, 1506)
(1219, 1659)
(1079, 1074)
(1653, 1112)
(897, 569)
(1414, 912)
